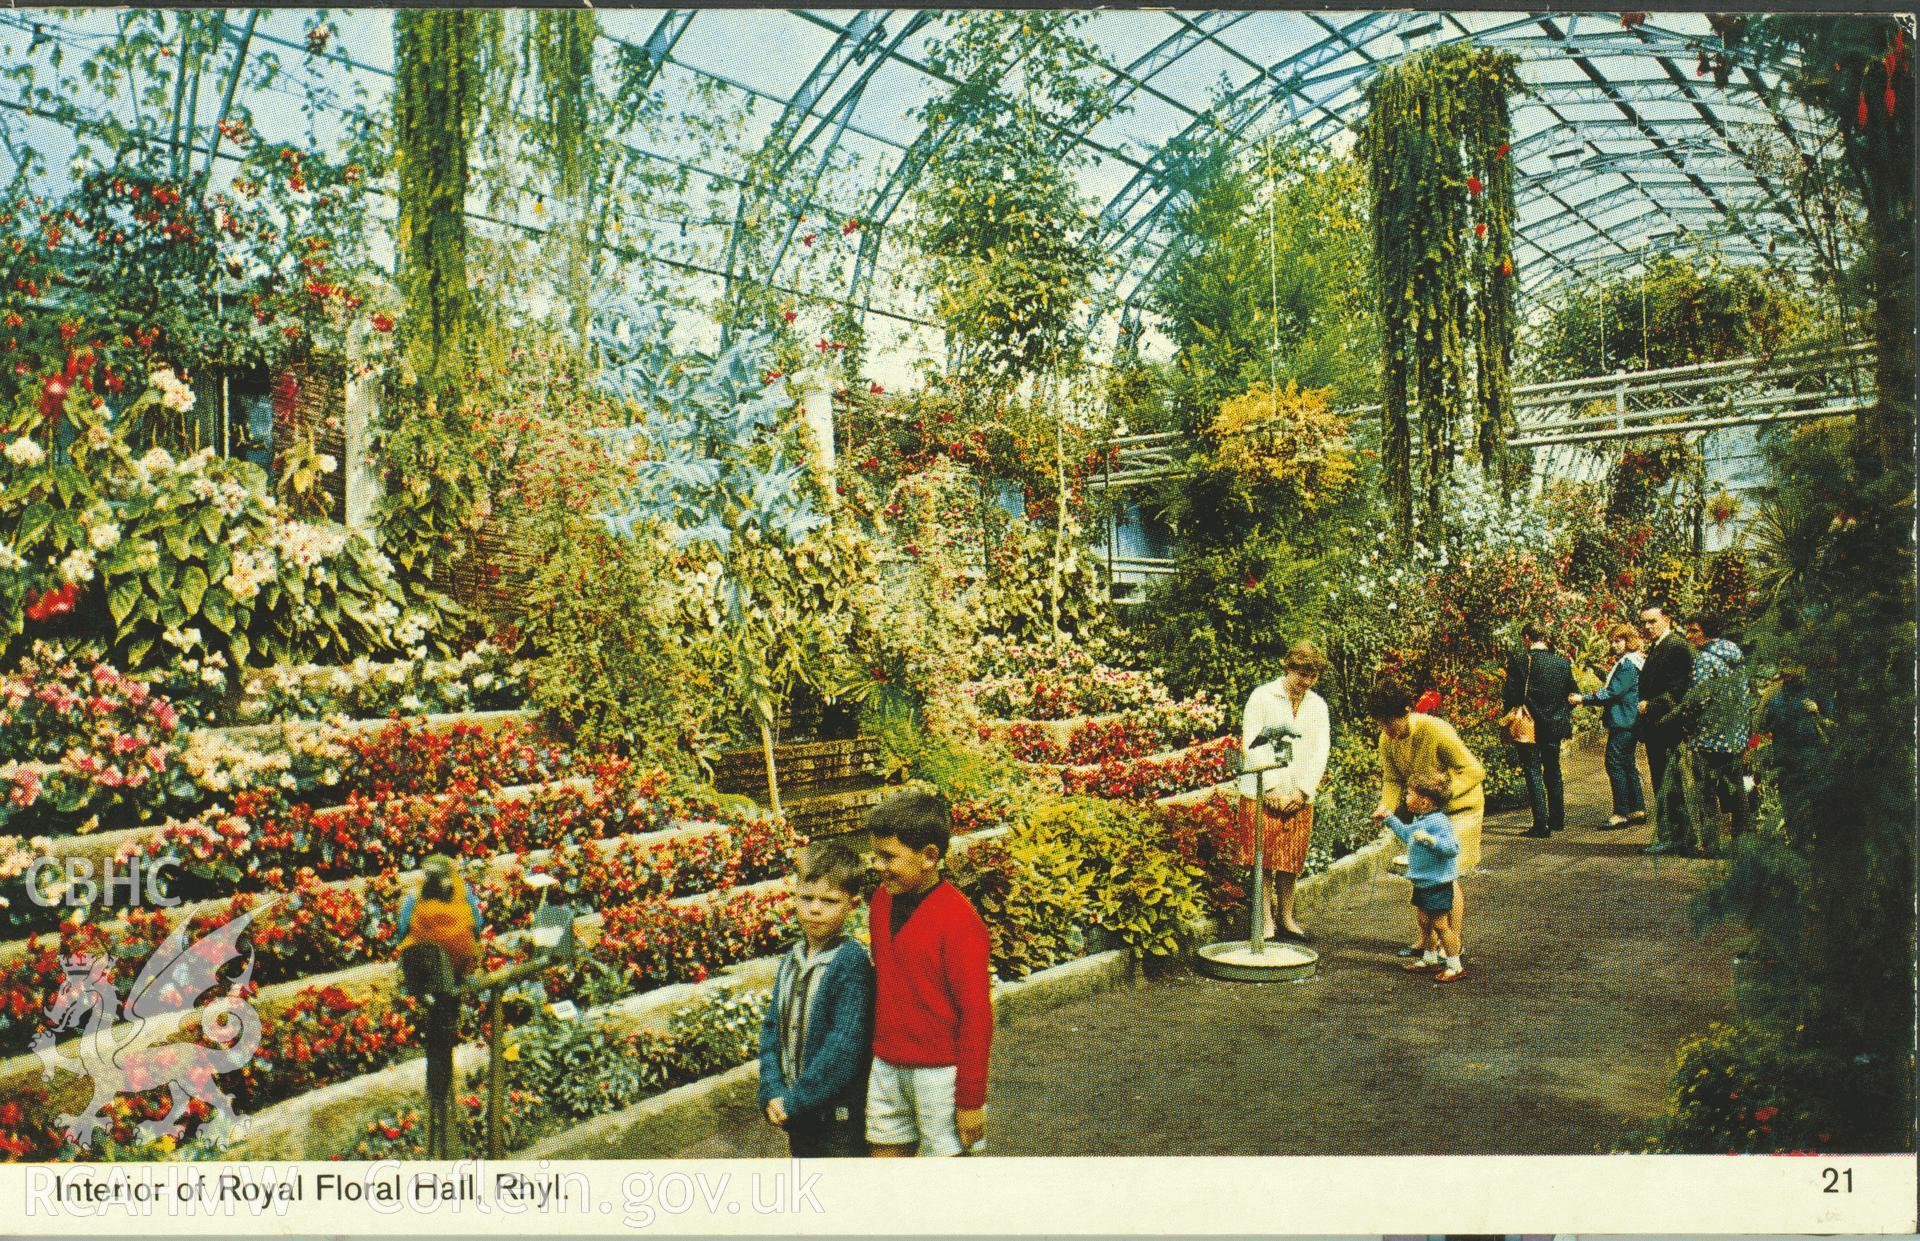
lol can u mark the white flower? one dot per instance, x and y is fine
(157, 461)
(10, 560)
(326, 464)
(25, 453)
(180, 398)
(77, 567)
(162, 379)
(103, 536)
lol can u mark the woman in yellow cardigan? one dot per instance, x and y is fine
(1412, 743)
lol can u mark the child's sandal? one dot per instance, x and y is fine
(1417, 966)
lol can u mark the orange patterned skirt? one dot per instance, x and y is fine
(1284, 840)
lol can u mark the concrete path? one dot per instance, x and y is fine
(1583, 978)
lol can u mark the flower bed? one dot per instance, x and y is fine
(1161, 726)
(566, 1072)
(1040, 683)
(327, 1032)
(1146, 779)
(485, 678)
(93, 750)
(383, 776)
(317, 927)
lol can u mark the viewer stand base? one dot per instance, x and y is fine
(1236, 961)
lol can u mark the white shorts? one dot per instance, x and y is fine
(908, 1106)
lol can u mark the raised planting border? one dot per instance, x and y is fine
(799, 765)
(13, 950)
(101, 847)
(685, 1115)
(274, 732)
(328, 1122)
(368, 981)
(1058, 772)
(1057, 731)
(98, 847)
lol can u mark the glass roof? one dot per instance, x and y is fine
(1625, 146)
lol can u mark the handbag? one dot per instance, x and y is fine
(1518, 722)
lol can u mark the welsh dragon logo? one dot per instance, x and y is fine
(134, 1047)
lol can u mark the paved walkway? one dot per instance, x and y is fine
(1583, 978)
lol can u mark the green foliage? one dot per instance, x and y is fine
(1857, 69)
(1140, 888)
(437, 99)
(1225, 620)
(1032, 896)
(614, 666)
(160, 545)
(1010, 245)
(1834, 905)
(1679, 310)
(1435, 141)
(1031, 597)
(1286, 236)
(1740, 1092)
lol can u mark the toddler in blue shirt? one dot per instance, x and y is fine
(1433, 863)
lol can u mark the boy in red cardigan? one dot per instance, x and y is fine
(933, 1013)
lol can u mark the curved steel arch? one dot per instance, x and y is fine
(1661, 44)
(928, 143)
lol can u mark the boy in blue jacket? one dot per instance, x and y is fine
(1433, 863)
(816, 1044)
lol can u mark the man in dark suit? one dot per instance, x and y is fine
(1663, 683)
(1541, 680)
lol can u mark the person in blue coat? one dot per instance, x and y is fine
(816, 1043)
(1621, 697)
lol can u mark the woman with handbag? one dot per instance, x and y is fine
(1538, 719)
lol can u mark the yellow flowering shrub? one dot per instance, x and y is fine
(1283, 446)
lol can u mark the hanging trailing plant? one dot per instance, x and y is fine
(1436, 142)
(436, 111)
(562, 60)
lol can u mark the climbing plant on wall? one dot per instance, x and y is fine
(1435, 141)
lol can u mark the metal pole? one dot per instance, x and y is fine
(1256, 931)
(496, 1079)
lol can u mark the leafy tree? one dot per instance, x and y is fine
(716, 465)
(1011, 248)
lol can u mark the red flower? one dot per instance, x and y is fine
(1888, 97)
(770, 376)
(1765, 1114)
(1474, 186)
(789, 314)
(1502, 152)
(1630, 20)
(53, 396)
(381, 323)
(849, 227)
(1480, 230)
(876, 389)
(1428, 703)
(1506, 267)
(52, 603)
(807, 240)
(1860, 113)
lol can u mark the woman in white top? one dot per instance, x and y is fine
(1286, 817)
